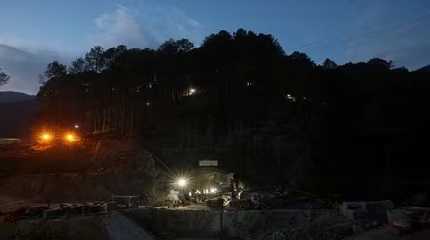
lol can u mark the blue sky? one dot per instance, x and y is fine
(34, 32)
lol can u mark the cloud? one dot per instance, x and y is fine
(146, 26)
(118, 27)
(25, 59)
(24, 66)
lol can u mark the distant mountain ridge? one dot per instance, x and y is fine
(424, 69)
(13, 97)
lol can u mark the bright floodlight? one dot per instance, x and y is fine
(76, 126)
(182, 182)
(192, 91)
(70, 138)
(213, 190)
(46, 137)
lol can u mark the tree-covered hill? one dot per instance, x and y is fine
(265, 114)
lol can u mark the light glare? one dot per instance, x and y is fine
(71, 137)
(46, 137)
(213, 190)
(182, 182)
(192, 91)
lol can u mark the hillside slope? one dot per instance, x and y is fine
(17, 110)
(13, 97)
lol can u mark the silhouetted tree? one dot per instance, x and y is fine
(112, 53)
(381, 63)
(329, 64)
(56, 70)
(78, 66)
(171, 46)
(4, 78)
(95, 60)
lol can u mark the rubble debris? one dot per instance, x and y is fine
(366, 215)
(35, 211)
(52, 213)
(409, 218)
(280, 199)
(215, 203)
(241, 204)
(126, 201)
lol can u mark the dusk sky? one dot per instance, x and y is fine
(33, 33)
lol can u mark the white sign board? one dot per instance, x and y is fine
(208, 163)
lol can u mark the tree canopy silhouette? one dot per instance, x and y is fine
(4, 78)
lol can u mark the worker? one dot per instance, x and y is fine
(234, 184)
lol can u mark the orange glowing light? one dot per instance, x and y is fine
(46, 137)
(71, 137)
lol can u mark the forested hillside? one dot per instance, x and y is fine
(267, 115)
